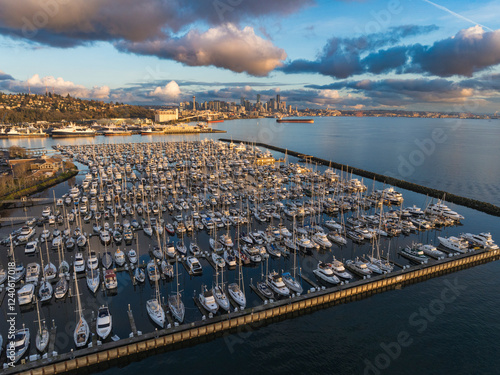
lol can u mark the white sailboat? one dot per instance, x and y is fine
(153, 306)
(175, 303)
(42, 335)
(82, 332)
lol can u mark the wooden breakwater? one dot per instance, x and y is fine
(435, 193)
(115, 353)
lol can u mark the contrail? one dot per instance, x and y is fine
(456, 14)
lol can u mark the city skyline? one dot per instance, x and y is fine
(341, 55)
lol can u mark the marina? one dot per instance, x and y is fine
(184, 199)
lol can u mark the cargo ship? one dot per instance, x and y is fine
(212, 121)
(305, 120)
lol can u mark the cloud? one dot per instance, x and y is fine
(343, 57)
(223, 46)
(469, 51)
(5, 76)
(170, 91)
(66, 23)
(38, 85)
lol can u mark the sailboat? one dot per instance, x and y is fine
(46, 290)
(154, 308)
(42, 336)
(139, 273)
(289, 279)
(82, 332)
(175, 303)
(218, 291)
(50, 270)
(235, 289)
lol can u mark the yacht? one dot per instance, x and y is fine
(207, 300)
(73, 131)
(454, 243)
(305, 243)
(32, 273)
(226, 240)
(230, 258)
(440, 209)
(339, 270)
(275, 282)
(132, 256)
(265, 290)
(358, 267)
(194, 265)
(322, 240)
(218, 260)
(414, 255)
(92, 261)
(104, 322)
(31, 246)
(119, 258)
(110, 279)
(430, 250)
(79, 263)
(324, 271)
(483, 240)
(25, 294)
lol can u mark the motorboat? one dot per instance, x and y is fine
(414, 255)
(275, 282)
(324, 271)
(139, 274)
(32, 273)
(25, 294)
(79, 263)
(226, 240)
(120, 258)
(207, 300)
(265, 290)
(194, 265)
(92, 261)
(483, 240)
(230, 258)
(358, 267)
(339, 270)
(110, 279)
(31, 247)
(430, 251)
(322, 240)
(104, 322)
(132, 256)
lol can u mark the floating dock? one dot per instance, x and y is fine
(113, 353)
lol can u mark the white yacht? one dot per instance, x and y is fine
(430, 250)
(120, 258)
(79, 263)
(440, 209)
(207, 300)
(483, 240)
(339, 270)
(194, 265)
(454, 243)
(324, 271)
(32, 273)
(414, 254)
(104, 322)
(73, 131)
(276, 283)
(358, 267)
(322, 240)
(25, 294)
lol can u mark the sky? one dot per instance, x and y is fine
(438, 55)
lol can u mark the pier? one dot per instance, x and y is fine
(112, 353)
(485, 207)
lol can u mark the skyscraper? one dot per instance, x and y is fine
(194, 103)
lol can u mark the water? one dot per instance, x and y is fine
(350, 338)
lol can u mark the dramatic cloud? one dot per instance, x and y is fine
(5, 76)
(38, 85)
(152, 27)
(342, 57)
(224, 46)
(170, 91)
(469, 51)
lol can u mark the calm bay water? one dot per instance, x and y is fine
(459, 337)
